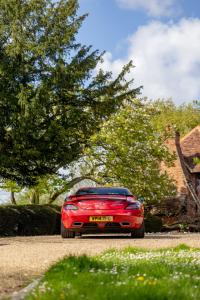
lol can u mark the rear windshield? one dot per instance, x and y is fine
(104, 191)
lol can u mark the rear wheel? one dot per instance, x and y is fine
(138, 233)
(65, 233)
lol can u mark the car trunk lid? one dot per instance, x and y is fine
(100, 202)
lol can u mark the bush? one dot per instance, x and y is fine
(29, 220)
(24, 220)
(153, 223)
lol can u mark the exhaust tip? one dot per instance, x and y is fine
(125, 224)
(77, 224)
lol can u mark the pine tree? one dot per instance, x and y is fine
(50, 100)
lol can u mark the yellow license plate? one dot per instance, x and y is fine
(101, 219)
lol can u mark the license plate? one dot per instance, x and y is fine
(101, 219)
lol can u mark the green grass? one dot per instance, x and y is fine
(127, 274)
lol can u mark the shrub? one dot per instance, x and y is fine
(29, 220)
(153, 223)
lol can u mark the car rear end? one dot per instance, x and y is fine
(102, 213)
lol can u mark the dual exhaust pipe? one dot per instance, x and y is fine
(80, 224)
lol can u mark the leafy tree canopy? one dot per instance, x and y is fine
(182, 118)
(128, 151)
(50, 187)
(51, 100)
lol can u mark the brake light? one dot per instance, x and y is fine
(70, 207)
(134, 206)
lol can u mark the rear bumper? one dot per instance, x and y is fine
(96, 229)
(100, 230)
(122, 222)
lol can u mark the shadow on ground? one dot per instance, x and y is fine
(147, 237)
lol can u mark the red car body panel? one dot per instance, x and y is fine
(115, 206)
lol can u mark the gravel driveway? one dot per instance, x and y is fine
(24, 258)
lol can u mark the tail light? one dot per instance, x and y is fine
(134, 206)
(70, 207)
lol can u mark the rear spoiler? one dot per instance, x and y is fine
(101, 197)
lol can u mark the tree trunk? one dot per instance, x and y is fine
(74, 181)
(35, 197)
(12, 198)
(55, 196)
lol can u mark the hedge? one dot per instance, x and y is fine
(24, 220)
(153, 223)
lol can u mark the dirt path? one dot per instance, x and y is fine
(24, 258)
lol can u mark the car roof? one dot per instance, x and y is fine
(101, 187)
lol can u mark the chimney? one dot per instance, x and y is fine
(180, 155)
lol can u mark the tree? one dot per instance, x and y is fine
(50, 187)
(51, 101)
(53, 186)
(182, 117)
(128, 151)
(12, 188)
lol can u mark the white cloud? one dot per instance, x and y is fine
(155, 8)
(167, 60)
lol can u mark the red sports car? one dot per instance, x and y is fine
(102, 210)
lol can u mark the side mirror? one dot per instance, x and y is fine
(141, 199)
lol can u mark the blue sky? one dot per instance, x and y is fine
(162, 38)
(107, 25)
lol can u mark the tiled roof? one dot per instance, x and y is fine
(190, 145)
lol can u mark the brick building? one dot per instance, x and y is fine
(185, 172)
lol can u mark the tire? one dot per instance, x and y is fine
(66, 234)
(138, 233)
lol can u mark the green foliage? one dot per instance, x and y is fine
(182, 118)
(10, 186)
(47, 187)
(171, 274)
(128, 151)
(50, 188)
(50, 100)
(196, 160)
